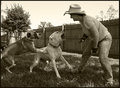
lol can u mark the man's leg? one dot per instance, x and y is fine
(85, 56)
(104, 48)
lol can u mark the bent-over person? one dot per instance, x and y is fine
(99, 39)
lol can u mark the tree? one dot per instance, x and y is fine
(43, 25)
(110, 14)
(49, 24)
(16, 20)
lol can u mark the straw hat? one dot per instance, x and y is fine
(74, 9)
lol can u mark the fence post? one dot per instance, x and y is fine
(63, 29)
(44, 32)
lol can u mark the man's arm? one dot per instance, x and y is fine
(84, 37)
(93, 33)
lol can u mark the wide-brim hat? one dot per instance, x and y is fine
(74, 9)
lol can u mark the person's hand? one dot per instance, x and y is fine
(94, 50)
(83, 38)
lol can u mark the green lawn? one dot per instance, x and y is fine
(90, 77)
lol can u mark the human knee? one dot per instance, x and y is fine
(86, 55)
(104, 60)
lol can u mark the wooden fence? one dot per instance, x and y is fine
(74, 32)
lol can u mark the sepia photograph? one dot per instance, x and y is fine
(59, 43)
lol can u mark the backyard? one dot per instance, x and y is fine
(90, 77)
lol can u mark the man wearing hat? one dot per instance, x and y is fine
(98, 38)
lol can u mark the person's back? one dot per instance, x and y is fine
(89, 22)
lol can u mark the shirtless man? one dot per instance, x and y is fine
(98, 37)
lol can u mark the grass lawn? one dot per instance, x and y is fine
(90, 77)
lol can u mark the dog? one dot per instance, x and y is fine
(3, 45)
(26, 44)
(53, 51)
